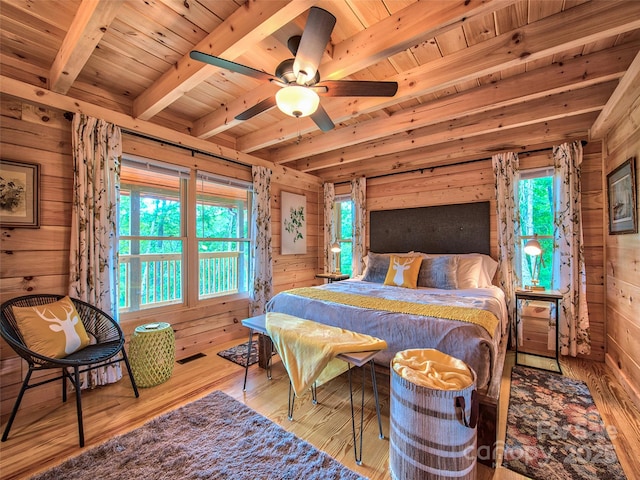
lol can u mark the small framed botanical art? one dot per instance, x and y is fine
(621, 194)
(294, 225)
(19, 194)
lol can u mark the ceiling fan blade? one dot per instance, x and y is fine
(322, 120)
(315, 37)
(258, 108)
(229, 65)
(357, 88)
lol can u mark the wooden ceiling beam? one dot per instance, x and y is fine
(89, 25)
(531, 137)
(625, 95)
(544, 109)
(246, 27)
(47, 98)
(590, 22)
(413, 24)
(571, 74)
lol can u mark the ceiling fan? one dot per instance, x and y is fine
(299, 77)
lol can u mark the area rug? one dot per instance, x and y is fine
(215, 437)
(238, 354)
(554, 430)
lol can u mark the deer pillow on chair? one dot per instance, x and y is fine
(53, 330)
(403, 271)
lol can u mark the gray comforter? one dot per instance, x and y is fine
(467, 341)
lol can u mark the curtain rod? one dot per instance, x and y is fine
(183, 147)
(421, 170)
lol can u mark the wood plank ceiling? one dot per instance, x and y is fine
(475, 77)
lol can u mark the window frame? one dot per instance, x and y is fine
(530, 174)
(190, 240)
(337, 223)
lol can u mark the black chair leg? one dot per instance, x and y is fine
(133, 380)
(16, 405)
(64, 384)
(76, 374)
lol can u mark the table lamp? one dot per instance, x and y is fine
(335, 248)
(534, 249)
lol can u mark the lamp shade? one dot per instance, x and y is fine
(335, 247)
(532, 247)
(297, 101)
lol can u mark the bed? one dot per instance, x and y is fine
(341, 304)
(456, 271)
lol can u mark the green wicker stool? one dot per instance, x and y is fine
(152, 353)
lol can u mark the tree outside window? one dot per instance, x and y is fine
(344, 233)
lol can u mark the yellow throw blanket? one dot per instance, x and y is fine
(432, 368)
(480, 317)
(306, 348)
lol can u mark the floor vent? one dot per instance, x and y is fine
(191, 358)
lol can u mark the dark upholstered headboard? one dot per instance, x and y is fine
(460, 228)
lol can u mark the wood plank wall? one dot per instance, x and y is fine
(36, 260)
(623, 264)
(473, 182)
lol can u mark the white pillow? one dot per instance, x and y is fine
(489, 268)
(469, 271)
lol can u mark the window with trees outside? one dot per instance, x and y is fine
(536, 206)
(171, 219)
(343, 221)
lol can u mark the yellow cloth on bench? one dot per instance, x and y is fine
(307, 348)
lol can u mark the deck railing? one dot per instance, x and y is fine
(153, 280)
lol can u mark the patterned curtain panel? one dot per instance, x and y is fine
(329, 227)
(359, 198)
(93, 262)
(506, 173)
(569, 252)
(262, 270)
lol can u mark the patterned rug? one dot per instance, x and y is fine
(238, 354)
(554, 430)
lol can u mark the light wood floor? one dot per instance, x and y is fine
(44, 437)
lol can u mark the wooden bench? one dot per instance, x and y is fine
(257, 324)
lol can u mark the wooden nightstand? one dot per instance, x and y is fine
(333, 277)
(550, 296)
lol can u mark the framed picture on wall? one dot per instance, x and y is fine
(294, 224)
(19, 194)
(621, 194)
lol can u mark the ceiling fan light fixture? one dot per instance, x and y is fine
(297, 101)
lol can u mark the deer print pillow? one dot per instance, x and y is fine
(53, 330)
(403, 271)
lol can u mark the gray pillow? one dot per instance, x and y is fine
(439, 272)
(377, 267)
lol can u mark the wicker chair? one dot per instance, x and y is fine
(109, 343)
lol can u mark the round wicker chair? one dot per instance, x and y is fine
(107, 348)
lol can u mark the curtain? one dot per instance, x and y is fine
(93, 261)
(505, 170)
(569, 252)
(262, 270)
(359, 199)
(329, 227)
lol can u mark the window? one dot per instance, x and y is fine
(151, 235)
(222, 229)
(163, 229)
(343, 221)
(536, 205)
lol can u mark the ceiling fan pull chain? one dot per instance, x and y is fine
(299, 135)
